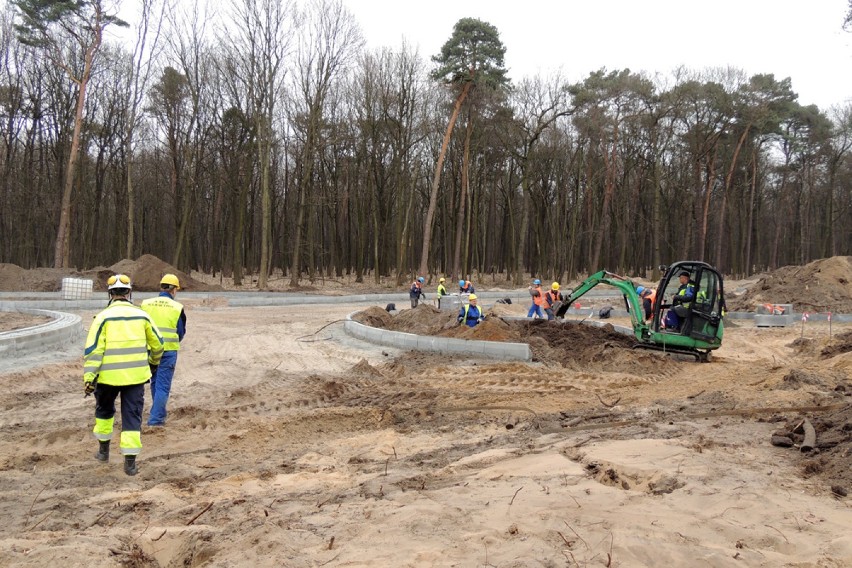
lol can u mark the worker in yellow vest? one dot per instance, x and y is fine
(171, 321)
(122, 346)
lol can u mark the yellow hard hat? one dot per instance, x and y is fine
(555, 286)
(472, 297)
(171, 280)
(442, 280)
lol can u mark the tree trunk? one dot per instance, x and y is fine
(750, 223)
(61, 255)
(522, 230)
(131, 204)
(720, 228)
(602, 232)
(465, 183)
(436, 180)
(265, 149)
(708, 192)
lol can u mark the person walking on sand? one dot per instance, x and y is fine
(122, 345)
(170, 319)
(416, 291)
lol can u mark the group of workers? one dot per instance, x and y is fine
(126, 347)
(470, 314)
(545, 304)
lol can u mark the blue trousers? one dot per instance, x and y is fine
(535, 309)
(672, 320)
(161, 386)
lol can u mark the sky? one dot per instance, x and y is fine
(799, 39)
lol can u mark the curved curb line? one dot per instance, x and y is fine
(446, 345)
(64, 328)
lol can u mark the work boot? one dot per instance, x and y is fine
(130, 465)
(103, 451)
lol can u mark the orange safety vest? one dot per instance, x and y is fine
(551, 297)
(653, 297)
(538, 300)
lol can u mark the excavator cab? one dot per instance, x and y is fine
(700, 319)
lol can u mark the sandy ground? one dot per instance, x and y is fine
(286, 447)
(10, 321)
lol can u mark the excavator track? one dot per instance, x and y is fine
(700, 356)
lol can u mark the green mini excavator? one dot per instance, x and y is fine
(700, 327)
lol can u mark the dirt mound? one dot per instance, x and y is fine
(492, 329)
(423, 320)
(820, 286)
(557, 342)
(841, 343)
(572, 342)
(374, 317)
(13, 278)
(146, 272)
(831, 457)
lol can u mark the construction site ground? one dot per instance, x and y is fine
(289, 443)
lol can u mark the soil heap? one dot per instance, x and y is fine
(145, 272)
(557, 342)
(820, 286)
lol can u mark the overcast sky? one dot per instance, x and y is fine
(799, 39)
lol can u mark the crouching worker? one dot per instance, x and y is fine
(123, 343)
(470, 314)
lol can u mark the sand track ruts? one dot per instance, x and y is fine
(333, 451)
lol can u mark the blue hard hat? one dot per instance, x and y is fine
(536, 281)
(640, 289)
(420, 279)
(461, 283)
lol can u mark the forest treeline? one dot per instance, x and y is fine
(269, 138)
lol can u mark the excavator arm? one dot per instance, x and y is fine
(627, 289)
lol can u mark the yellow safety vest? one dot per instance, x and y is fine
(122, 342)
(441, 290)
(165, 312)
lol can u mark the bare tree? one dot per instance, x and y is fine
(145, 50)
(262, 42)
(45, 24)
(329, 41)
(540, 104)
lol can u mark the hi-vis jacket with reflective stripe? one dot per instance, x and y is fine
(169, 318)
(122, 342)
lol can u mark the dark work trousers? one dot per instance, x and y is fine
(132, 401)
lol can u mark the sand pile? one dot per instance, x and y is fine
(146, 272)
(557, 342)
(13, 278)
(820, 286)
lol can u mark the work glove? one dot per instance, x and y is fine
(153, 369)
(88, 388)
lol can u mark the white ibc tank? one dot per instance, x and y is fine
(76, 289)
